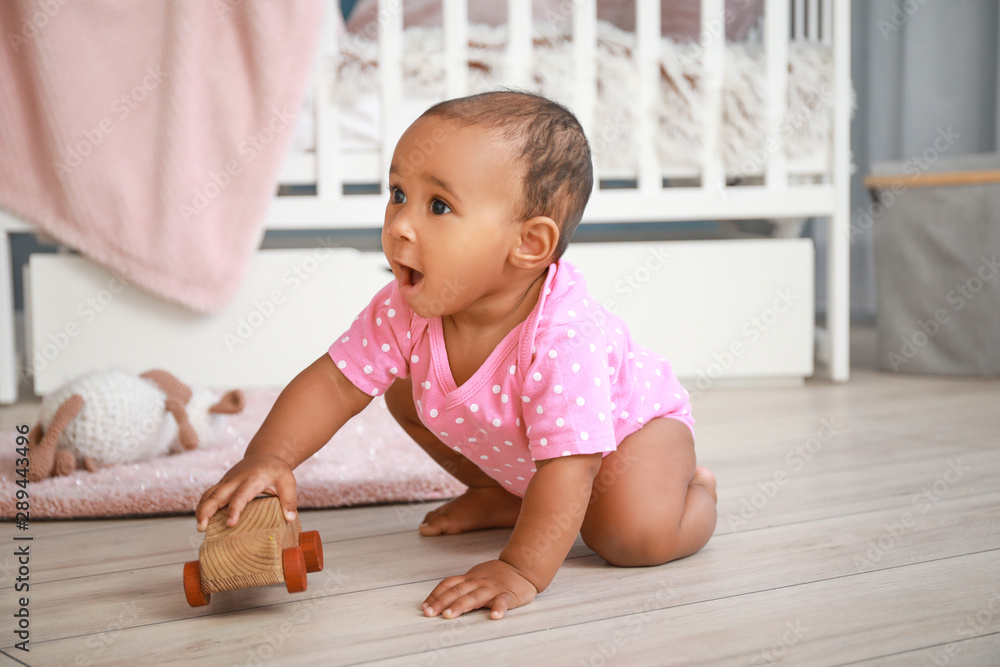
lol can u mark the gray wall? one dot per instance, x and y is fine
(918, 67)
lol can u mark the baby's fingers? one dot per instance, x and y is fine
(501, 603)
(443, 595)
(479, 596)
(211, 501)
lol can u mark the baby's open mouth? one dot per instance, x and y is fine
(412, 276)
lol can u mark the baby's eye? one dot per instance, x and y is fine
(438, 207)
(396, 196)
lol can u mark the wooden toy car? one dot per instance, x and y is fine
(263, 549)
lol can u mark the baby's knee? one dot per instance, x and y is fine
(630, 543)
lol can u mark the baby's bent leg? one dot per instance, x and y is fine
(484, 505)
(650, 504)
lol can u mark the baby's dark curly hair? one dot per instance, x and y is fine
(558, 174)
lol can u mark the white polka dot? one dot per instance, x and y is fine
(345, 339)
(583, 435)
(560, 421)
(391, 312)
(341, 364)
(570, 333)
(445, 435)
(543, 442)
(520, 460)
(526, 399)
(517, 421)
(496, 422)
(624, 414)
(508, 443)
(459, 420)
(579, 401)
(375, 391)
(511, 369)
(408, 335)
(457, 449)
(393, 370)
(425, 384)
(677, 396)
(385, 347)
(495, 448)
(414, 358)
(571, 313)
(552, 354)
(639, 420)
(648, 385)
(504, 398)
(364, 342)
(600, 415)
(474, 407)
(386, 302)
(496, 389)
(537, 376)
(593, 348)
(484, 457)
(521, 478)
(473, 440)
(368, 369)
(597, 381)
(567, 454)
(656, 406)
(434, 412)
(539, 409)
(378, 321)
(557, 389)
(657, 371)
(618, 331)
(638, 364)
(585, 302)
(684, 411)
(507, 481)
(576, 368)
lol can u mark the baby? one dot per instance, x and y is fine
(493, 357)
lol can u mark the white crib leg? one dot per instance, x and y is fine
(8, 348)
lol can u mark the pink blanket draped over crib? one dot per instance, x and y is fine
(149, 135)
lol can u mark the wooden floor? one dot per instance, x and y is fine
(858, 524)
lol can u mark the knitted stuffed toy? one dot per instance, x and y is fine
(115, 417)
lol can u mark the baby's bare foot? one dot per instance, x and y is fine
(705, 478)
(476, 509)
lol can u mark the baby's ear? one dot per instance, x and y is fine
(538, 240)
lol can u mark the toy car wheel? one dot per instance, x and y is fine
(193, 591)
(312, 548)
(293, 563)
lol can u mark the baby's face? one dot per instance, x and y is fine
(450, 220)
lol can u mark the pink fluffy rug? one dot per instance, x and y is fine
(371, 460)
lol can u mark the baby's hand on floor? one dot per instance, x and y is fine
(493, 584)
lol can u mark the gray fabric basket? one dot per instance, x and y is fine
(938, 280)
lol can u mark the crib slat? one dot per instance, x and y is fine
(519, 34)
(456, 44)
(776, 46)
(799, 19)
(390, 50)
(713, 44)
(812, 20)
(827, 22)
(329, 180)
(647, 29)
(585, 59)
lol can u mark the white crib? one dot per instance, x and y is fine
(817, 186)
(781, 189)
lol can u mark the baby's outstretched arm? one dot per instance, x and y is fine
(552, 512)
(307, 413)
